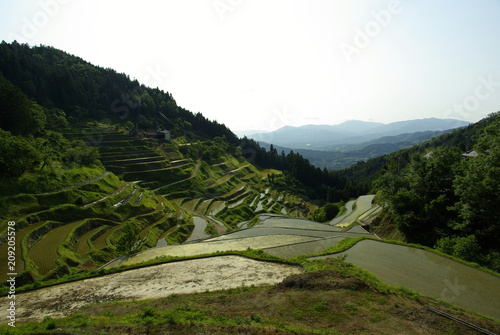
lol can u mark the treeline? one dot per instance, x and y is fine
(321, 184)
(30, 137)
(363, 174)
(441, 198)
(55, 79)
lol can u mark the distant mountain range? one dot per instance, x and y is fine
(343, 136)
(353, 153)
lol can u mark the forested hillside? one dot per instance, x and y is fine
(447, 197)
(84, 181)
(67, 84)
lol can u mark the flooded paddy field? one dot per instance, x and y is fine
(303, 248)
(280, 236)
(192, 249)
(429, 274)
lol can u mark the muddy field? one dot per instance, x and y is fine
(158, 281)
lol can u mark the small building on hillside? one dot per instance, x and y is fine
(157, 134)
(470, 153)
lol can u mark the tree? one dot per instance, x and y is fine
(17, 155)
(81, 154)
(18, 114)
(465, 248)
(421, 197)
(56, 119)
(51, 147)
(478, 190)
(129, 237)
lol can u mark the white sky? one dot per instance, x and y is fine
(263, 64)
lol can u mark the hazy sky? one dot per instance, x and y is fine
(263, 64)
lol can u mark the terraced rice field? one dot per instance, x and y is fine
(199, 275)
(221, 181)
(44, 252)
(161, 240)
(430, 274)
(83, 244)
(20, 235)
(101, 241)
(364, 210)
(191, 204)
(203, 206)
(278, 235)
(304, 248)
(143, 233)
(216, 207)
(199, 229)
(213, 245)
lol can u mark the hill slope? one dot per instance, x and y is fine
(82, 184)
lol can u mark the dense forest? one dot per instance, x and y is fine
(57, 80)
(446, 198)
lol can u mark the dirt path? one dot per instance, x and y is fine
(153, 282)
(429, 274)
(105, 174)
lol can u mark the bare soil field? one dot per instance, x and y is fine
(153, 282)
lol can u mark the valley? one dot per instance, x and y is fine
(159, 220)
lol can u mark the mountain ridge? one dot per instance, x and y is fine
(320, 137)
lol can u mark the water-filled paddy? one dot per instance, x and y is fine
(430, 274)
(303, 248)
(214, 245)
(262, 231)
(199, 229)
(363, 204)
(283, 222)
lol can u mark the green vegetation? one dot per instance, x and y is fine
(83, 182)
(330, 297)
(446, 200)
(86, 183)
(328, 212)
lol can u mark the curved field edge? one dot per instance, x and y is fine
(254, 254)
(348, 243)
(304, 316)
(340, 247)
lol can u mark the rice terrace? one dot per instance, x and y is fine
(166, 222)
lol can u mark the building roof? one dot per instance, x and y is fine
(470, 153)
